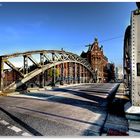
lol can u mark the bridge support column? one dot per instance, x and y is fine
(41, 78)
(81, 74)
(62, 74)
(132, 108)
(78, 72)
(68, 72)
(74, 73)
(45, 77)
(25, 64)
(53, 71)
(53, 76)
(1, 74)
(85, 75)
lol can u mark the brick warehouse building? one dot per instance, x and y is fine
(98, 61)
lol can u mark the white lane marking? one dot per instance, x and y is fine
(25, 134)
(16, 129)
(4, 122)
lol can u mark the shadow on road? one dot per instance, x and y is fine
(58, 116)
(92, 97)
(41, 95)
(23, 124)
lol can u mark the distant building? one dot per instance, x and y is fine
(119, 73)
(116, 73)
(110, 70)
(9, 76)
(97, 59)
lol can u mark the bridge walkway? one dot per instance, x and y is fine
(116, 123)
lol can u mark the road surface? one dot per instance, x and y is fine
(79, 110)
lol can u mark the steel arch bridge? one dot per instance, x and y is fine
(127, 58)
(41, 68)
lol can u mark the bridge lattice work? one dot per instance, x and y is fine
(43, 67)
(127, 58)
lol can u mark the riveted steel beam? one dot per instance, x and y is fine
(25, 61)
(34, 61)
(14, 68)
(42, 76)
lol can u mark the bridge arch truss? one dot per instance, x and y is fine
(41, 68)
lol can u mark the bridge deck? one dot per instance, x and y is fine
(75, 110)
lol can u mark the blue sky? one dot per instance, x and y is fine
(71, 26)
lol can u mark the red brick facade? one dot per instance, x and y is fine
(98, 60)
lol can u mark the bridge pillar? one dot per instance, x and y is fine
(81, 74)
(74, 72)
(25, 64)
(85, 75)
(53, 75)
(78, 72)
(53, 71)
(62, 74)
(41, 58)
(68, 72)
(45, 77)
(42, 76)
(1, 74)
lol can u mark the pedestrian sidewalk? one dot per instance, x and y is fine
(116, 123)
